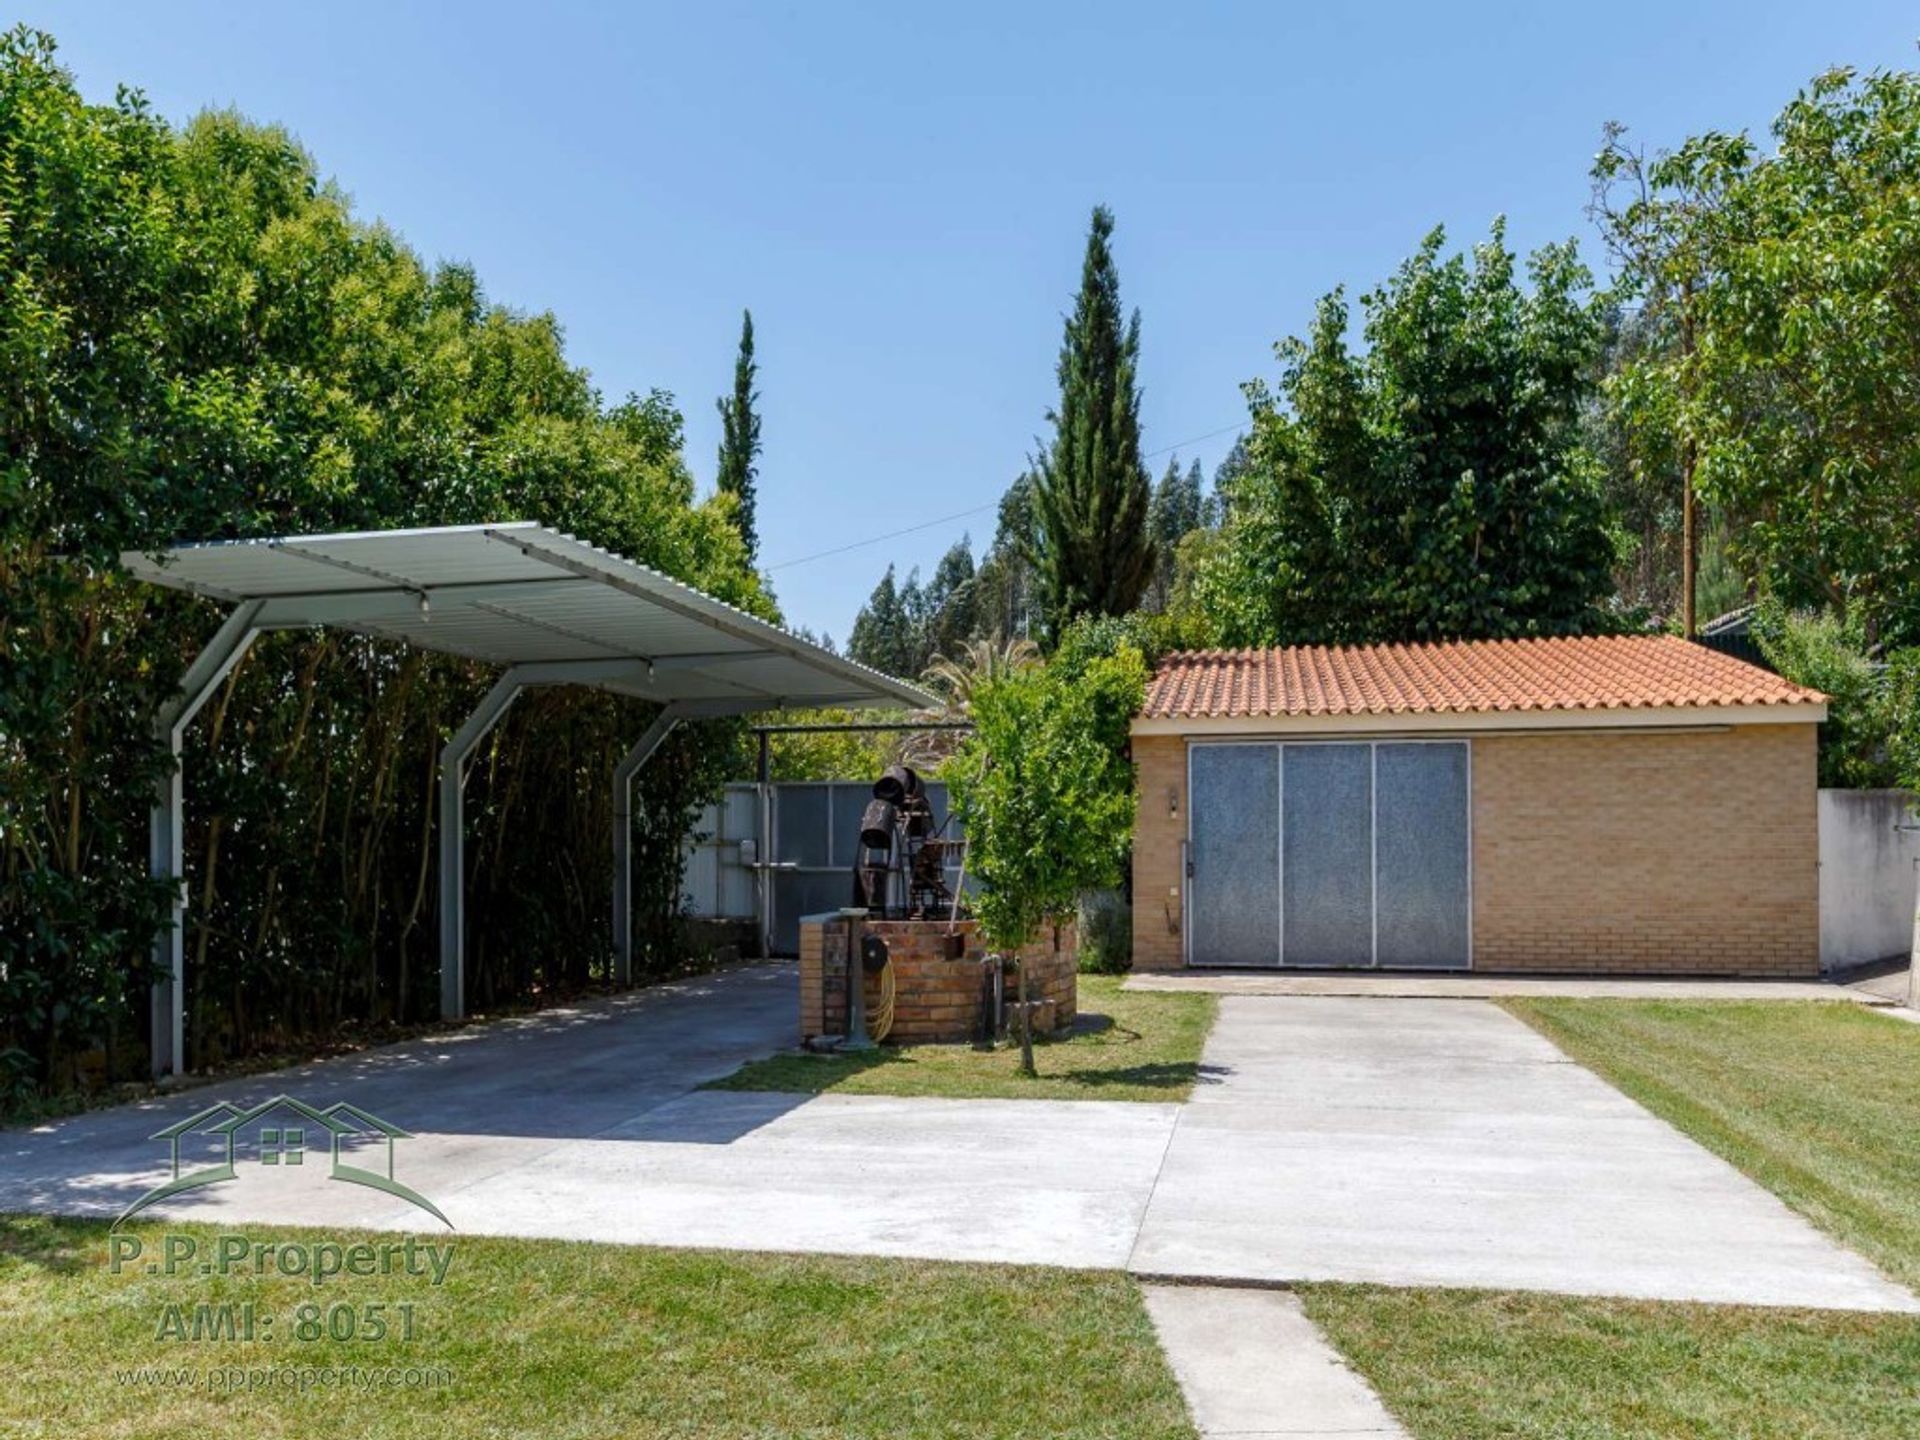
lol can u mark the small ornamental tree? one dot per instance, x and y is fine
(1045, 790)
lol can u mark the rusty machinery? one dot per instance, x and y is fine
(899, 870)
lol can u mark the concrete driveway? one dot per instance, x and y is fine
(586, 1124)
(1443, 1142)
(1392, 1140)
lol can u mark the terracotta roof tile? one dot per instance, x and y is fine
(1461, 677)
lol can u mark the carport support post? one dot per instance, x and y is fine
(166, 856)
(453, 849)
(663, 725)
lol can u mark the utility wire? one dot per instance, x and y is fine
(975, 510)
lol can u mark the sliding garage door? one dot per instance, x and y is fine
(1326, 876)
(1234, 855)
(1330, 855)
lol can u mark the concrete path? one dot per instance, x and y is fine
(1253, 1367)
(1443, 1142)
(1379, 986)
(1401, 1141)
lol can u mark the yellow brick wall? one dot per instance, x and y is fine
(1667, 854)
(1623, 854)
(1159, 888)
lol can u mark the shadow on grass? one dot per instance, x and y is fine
(1163, 1075)
(41, 1243)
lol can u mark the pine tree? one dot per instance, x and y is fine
(1005, 583)
(881, 635)
(1091, 550)
(740, 438)
(1174, 514)
(1213, 510)
(953, 601)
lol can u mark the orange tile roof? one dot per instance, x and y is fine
(1461, 677)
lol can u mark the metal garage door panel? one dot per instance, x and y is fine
(1233, 901)
(1421, 851)
(1327, 867)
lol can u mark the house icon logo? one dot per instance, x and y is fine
(288, 1131)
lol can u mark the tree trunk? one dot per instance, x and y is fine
(1026, 1021)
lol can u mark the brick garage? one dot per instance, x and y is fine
(937, 994)
(1622, 805)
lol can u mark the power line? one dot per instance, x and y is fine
(890, 535)
(1210, 435)
(968, 514)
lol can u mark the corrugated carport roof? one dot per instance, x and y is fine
(519, 594)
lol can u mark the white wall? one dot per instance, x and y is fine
(1867, 875)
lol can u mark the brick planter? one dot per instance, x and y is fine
(937, 995)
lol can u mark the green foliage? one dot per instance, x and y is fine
(822, 754)
(1177, 511)
(738, 470)
(1044, 788)
(952, 602)
(1869, 737)
(902, 629)
(1433, 487)
(884, 635)
(1903, 717)
(1106, 933)
(1785, 283)
(199, 341)
(1007, 588)
(956, 675)
(1090, 549)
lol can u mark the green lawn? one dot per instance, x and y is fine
(564, 1340)
(1820, 1103)
(1463, 1365)
(1130, 1045)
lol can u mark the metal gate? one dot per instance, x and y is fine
(803, 866)
(1330, 855)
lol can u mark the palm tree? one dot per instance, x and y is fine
(954, 678)
(977, 662)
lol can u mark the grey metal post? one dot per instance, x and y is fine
(453, 848)
(857, 1037)
(663, 725)
(166, 858)
(763, 847)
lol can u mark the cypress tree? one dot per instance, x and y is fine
(740, 437)
(1092, 553)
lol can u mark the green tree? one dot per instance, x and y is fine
(1226, 475)
(738, 471)
(199, 341)
(1091, 551)
(1045, 791)
(1009, 603)
(883, 635)
(1800, 388)
(1176, 511)
(1862, 739)
(953, 603)
(1433, 487)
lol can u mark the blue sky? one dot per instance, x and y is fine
(901, 193)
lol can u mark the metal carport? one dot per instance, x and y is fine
(551, 609)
